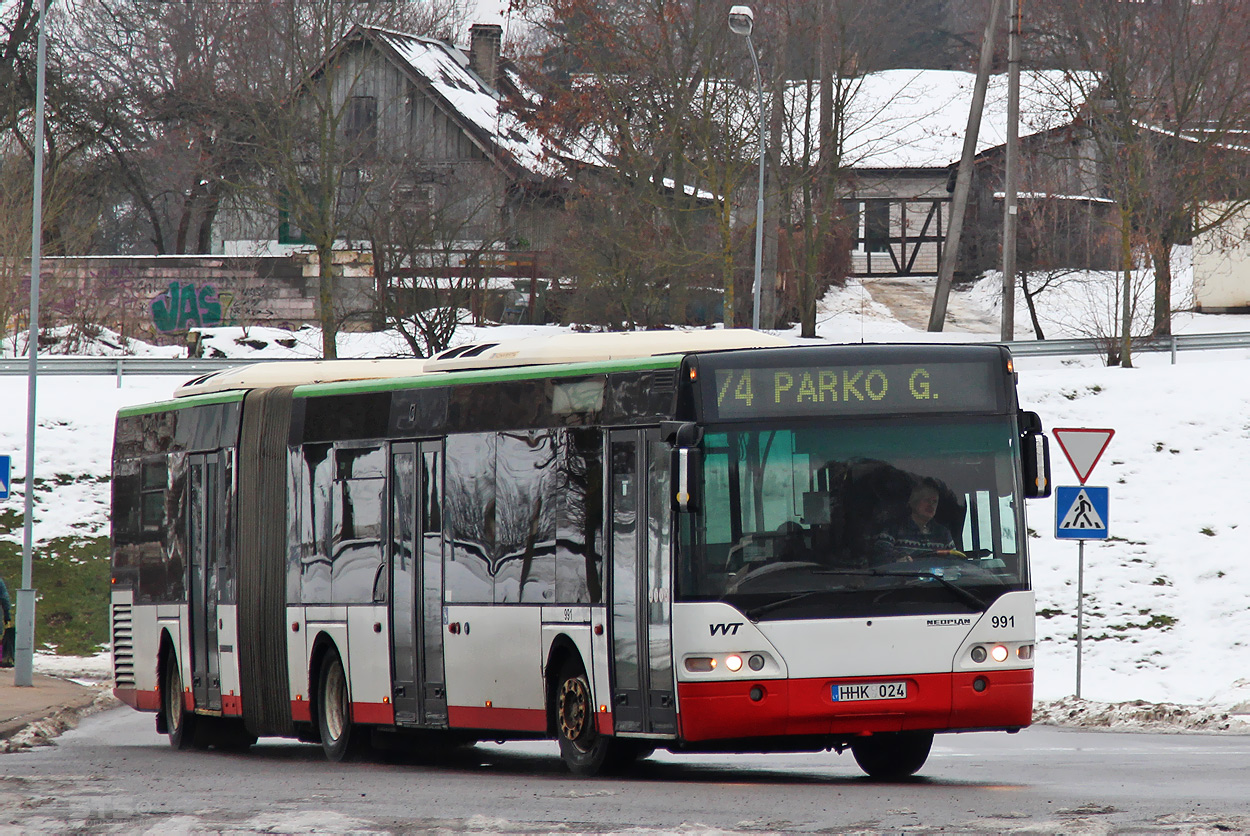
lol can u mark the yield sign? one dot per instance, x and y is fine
(1083, 448)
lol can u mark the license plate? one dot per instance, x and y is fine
(870, 691)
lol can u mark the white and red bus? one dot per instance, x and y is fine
(623, 542)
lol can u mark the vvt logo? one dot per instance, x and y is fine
(730, 629)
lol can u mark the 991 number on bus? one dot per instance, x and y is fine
(1001, 622)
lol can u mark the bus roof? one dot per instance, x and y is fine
(590, 348)
(271, 374)
(558, 349)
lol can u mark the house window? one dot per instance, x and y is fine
(874, 226)
(361, 124)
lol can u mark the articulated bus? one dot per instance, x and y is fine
(624, 542)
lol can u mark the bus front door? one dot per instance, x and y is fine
(416, 560)
(640, 518)
(205, 564)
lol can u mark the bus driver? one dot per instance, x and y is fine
(917, 533)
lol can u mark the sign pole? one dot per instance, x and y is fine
(24, 646)
(1080, 610)
(1086, 510)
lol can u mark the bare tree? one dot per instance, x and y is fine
(1166, 105)
(646, 92)
(182, 81)
(432, 251)
(319, 142)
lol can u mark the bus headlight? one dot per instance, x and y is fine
(1025, 651)
(733, 662)
(978, 654)
(999, 653)
(700, 664)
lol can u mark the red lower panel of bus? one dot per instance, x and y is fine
(142, 700)
(372, 713)
(724, 710)
(507, 719)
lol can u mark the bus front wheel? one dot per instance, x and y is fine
(179, 722)
(334, 711)
(890, 756)
(585, 751)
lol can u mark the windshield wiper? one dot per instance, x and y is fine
(754, 612)
(962, 594)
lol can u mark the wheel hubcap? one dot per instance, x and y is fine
(173, 699)
(335, 701)
(574, 709)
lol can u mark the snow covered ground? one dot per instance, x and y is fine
(1167, 610)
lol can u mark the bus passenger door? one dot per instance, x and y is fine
(416, 560)
(204, 549)
(640, 521)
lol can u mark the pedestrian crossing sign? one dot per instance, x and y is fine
(5, 466)
(1081, 513)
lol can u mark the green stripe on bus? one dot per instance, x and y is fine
(435, 379)
(181, 403)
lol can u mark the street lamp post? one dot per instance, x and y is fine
(24, 646)
(741, 22)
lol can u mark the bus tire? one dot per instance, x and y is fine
(179, 722)
(584, 750)
(894, 755)
(339, 739)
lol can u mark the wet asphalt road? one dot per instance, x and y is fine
(114, 774)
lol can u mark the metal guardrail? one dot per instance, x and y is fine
(183, 367)
(1097, 345)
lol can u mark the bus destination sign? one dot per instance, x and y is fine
(853, 390)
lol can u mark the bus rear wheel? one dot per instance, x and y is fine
(179, 722)
(340, 740)
(585, 751)
(890, 756)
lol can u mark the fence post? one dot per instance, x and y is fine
(119, 372)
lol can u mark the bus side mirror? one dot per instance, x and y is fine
(1035, 456)
(687, 477)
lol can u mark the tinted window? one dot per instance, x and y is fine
(356, 548)
(315, 487)
(469, 504)
(580, 519)
(525, 516)
(154, 475)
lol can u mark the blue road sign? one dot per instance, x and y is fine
(1081, 513)
(5, 464)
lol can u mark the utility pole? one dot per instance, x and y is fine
(963, 181)
(24, 644)
(1010, 176)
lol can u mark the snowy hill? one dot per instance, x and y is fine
(1167, 613)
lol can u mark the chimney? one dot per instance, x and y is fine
(484, 45)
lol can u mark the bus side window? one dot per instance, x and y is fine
(315, 487)
(155, 475)
(469, 505)
(356, 549)
(579, 521)
(525, 477)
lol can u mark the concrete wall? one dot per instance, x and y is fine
(159, 298)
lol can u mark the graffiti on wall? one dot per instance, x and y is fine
(187, 305)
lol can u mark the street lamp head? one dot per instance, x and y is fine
(741, 20)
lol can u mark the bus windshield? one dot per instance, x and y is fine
(856, 519)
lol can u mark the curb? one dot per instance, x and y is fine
(40, 728)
